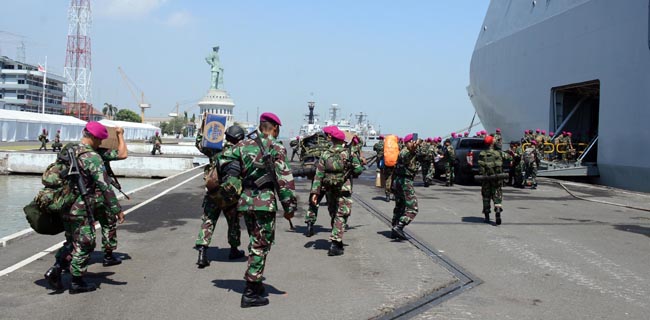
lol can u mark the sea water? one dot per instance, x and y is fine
(16, 191)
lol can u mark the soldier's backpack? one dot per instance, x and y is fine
(55, 198)
(490, 162)
(529, 155)
(391, 150)
(335, 167)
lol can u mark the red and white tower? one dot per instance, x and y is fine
(78, 67)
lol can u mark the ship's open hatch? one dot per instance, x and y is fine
(575, 109)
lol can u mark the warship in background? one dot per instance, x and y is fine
(570, 65)
(361, 127)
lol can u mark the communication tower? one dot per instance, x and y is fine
(78, 66)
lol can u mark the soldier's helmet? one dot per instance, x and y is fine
(235, 134)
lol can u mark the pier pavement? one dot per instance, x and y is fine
(567, 251)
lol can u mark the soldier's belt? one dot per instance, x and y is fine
(499, 176)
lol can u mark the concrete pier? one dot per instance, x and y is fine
(136, 165)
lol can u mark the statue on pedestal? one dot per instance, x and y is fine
(217, 70)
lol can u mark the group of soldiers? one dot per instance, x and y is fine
(248, 177)
(56, 145)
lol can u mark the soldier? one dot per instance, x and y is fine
(531, 161)
(406, 204)
(294, 144)
(157, 141)
(78, 223)
(466, 134)
(498, 140)
(425, 154)
(334, 172)
(214, 204)
(516, 166)
(312, 210)
(448, 157)
(108, 221)
(490, 165)
(43, 139)
(262, 187)
(56, 145)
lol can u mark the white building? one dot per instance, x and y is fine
(21, 88)
(217, 101)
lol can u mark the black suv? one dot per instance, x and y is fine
(466, 149)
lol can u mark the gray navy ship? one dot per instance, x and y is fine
(570, 65)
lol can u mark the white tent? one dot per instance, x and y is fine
(132, 130)
(26, 126)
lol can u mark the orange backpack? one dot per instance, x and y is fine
(391, 150)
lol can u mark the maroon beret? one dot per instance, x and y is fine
(408, 138)
(270, 117)
(97, 130)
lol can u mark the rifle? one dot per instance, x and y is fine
(372, 160)
(113, 177)
(81, 186)
(270, 169)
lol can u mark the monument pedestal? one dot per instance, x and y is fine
(217, 101)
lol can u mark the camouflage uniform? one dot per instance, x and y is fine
(425, 154)
(517, 167)
(107, 221)
(78, 224)
(43, 139)
(258, 204)
(406, 204)
(212, 211)
(448, 158)
(56, 145)
(157, 141)
(490, 163)
(498, 141)
(531, 158)
(330, 178)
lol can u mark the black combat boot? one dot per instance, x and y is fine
(79, 285)
(53, 277)
(252, 295)
(399, 231)
(203, 261)
(235, 253)
(336, 249)
(310, 229)
(487, 216)
(110, 259)
(498, 215)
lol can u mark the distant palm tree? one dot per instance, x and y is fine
(109, 110)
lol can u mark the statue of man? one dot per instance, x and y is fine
(217, 70)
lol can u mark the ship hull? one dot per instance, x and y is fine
(525, 52)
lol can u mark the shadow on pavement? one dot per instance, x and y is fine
(473, 219)
(633, 228)
(385, 233)
(239, 285)
(221, 255)
(169, 211)
(318, 244)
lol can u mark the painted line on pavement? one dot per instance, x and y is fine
(51, 249)
(4, 241)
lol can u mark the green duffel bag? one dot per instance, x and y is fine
(43, 221)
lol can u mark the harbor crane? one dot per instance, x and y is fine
(130, 84)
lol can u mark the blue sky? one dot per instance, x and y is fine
(404, 63)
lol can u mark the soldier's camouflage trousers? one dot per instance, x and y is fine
(339, 205)
(491, 191)
(261, 230)
(211, 212)
(312, 211)
(518, 175)
(108, 222)
(531, 173)
(80, 239)
(428, 170)
(387, 173)
(449, 172)
(406, 204)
